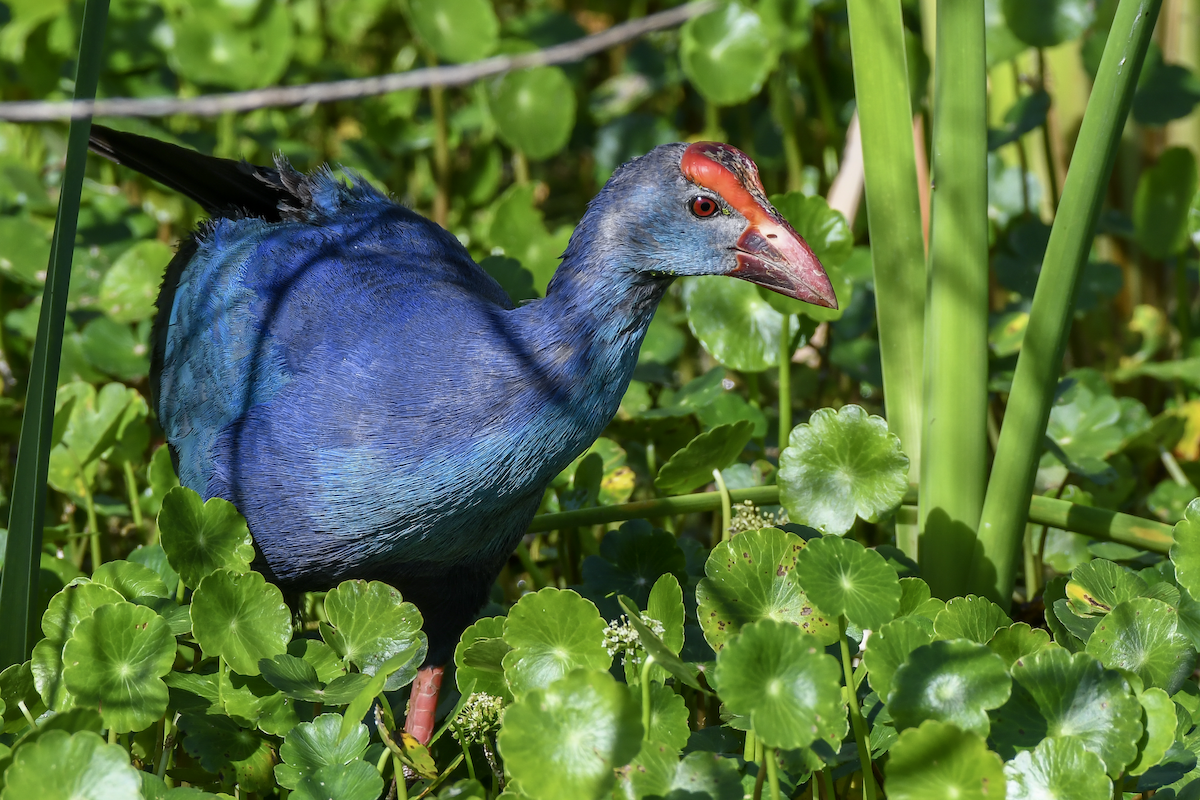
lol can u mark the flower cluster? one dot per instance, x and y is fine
(621, 637)
(479, 716)
(748, 517)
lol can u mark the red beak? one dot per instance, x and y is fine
(773, 255)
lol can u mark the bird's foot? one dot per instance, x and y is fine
(422, 703)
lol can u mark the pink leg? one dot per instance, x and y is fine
(423, 703)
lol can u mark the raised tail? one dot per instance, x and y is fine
(223, 187)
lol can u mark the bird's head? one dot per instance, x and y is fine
(700, 209)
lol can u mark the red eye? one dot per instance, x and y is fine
(703, 206)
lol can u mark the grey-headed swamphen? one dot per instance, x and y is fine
(337, 367)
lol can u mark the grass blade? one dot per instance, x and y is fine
(894, 214)
(19, 588)
(954, 466)
(1007, 501)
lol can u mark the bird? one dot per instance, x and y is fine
(337, 366)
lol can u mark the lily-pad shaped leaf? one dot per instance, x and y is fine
(297, 679)
(842, 577)
(631, 559)
(889, 647)
(240, 618)
(16, 687)
(1185, 551)
(202, 537)
(535, 110)
(1018, 641)
(357, 780)
(216, 741)
(916, 601)
(971, 617)
(368, 624)
(114, 662)
(1057, 693)
(457, 30)
(312, 745)
(473, 679)
(130, 579)
(1046, 23)
(155, 558)
(750, 578)
(64, 766)
(66, 609)
(1143, 636)
(566, 738)
(1098, 586)
(956, 681)
(788, 687)
(940, 760)
(551, 633)
(706, 775)
(1057, 768)
(1158, 730)
(840, 465)
(722, 54)
(668, 717)
(130, 287)
(734, 323)
(693, 465)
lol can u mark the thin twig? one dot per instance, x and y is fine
(215, 104)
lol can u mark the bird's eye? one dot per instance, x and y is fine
(703, 206)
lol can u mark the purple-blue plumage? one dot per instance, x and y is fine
(340, 369)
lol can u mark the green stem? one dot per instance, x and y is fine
(785, 383)
(520, 168)
(1047, 143)
(827, 784)
(712, 122)
(1172, 466)
(132, 488)
(535, 572)
(1040, 362)
(772, 773)
(781, 106)
(466, 749)
(89, 504)
(1032, 574)
(22, 562)
(381, 764)
(401, 782)
(1183, 307)
(893, 215)
(954, 463)
(726, 506)
(856, 718)
(647, 685)
(25, 713)
(750, 747)
(761, 777)
(1119, 787)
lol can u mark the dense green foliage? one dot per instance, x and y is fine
(692, 655)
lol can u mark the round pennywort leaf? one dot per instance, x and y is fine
(457, 30)
(722, 53)
(940, 760)
(551, 633)
(535, 110)
(790, 689)
(842, 577)
(693, 465)
(369, 623)
(1143, 636)
(955, 681)
(241, 618)
(1057, 768)
(840, 465)
(64, 766)
(202, 537)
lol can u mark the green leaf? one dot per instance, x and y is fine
(889, 647)
(535, 110)
(735, 324)
(1057, 768)
(1028, 113)
(1158, 730)
(1018, 641)
(631, 559)
(940, 760)
(201, 538)
(915, 600)
(1046, 23)
(114, 662)
(130, 579)
(839, 465)
(723, 54)
(240, 618)
(1185, 551)
(471, 679)
(217, 741)
(750, 578)
(666, 606)
(1161, 203)
(212, 47)
(457, 30)
(66, 609)
(566, 738)
(1099, 586)
(831, 240)
(1084, 424)
(1165, 92)
(707, 776)
(656, 649)
(357, 780)
(369, 623)
(1059, 694)
(25, 250)
(693, 465)
(788, 688)
(970, 617)
(1143, 636)
(130, 287)
(955, 681)
(844, 578)
(63, 766)
(552, 632)
(17, 686)
(312, 745)
(668, 717)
